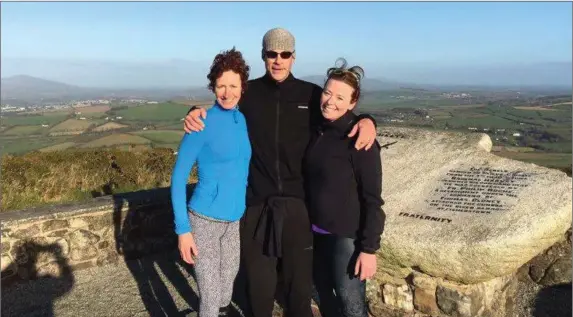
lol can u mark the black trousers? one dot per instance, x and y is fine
(295, 265)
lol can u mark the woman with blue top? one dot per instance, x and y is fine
(208, 224)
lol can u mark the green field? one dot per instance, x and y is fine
(49, 119)
(546, 131)
(160, 112)
(58, 147)
(23, 130)
(162, 136)
(21, 146)
(555, 160)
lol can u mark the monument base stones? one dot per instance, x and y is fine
(461, 222)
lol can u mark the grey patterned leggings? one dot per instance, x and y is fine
(217, 264)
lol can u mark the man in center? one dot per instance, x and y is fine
(276, 234)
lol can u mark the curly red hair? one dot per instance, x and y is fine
(228, 60)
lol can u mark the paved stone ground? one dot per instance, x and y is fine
(161, 285)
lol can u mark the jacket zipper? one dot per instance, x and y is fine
(277, 164)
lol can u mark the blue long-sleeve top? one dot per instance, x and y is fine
(222, 152)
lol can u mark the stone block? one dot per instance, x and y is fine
(83, 265)
(26, 232)
(103, 245)
(6, 232)
(424, 281)
(50, 269)
(425, 301)
(64, 246)
(558, 273)
(454, 301)
(107, 257)
(373, 291)
(19, 252)
(8, 266)
(5, 247)
(481, 299)
(398, 297)
(96, 223)
(82, 245)
(55, 224)
(385, 278)
(78, 222)
(58, 233)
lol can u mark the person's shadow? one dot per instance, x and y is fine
(144, 233)
(145, 237)
(36, 295)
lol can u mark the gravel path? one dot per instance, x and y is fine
(161, 285)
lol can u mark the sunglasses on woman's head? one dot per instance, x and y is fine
(273, 54)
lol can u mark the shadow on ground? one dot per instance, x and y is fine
(145, 238)
(36, 296)
(554, 301)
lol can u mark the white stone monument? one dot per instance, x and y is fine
(459, 215)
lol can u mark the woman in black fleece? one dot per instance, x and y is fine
(344, 187)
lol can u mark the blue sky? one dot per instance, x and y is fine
(373, 34)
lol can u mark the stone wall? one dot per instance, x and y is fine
(57, 239)
(421, 295)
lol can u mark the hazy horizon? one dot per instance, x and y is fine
(141, 44)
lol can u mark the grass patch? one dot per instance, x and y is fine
(110, 126)
(535, 108)
(58, 147)
(492, 122)
(36, 178)
(23, 130)
(116, 139)
(72, 125)
(92, 109)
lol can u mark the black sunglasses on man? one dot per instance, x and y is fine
(273, 54)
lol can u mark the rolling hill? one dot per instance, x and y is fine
(27, 89)
(368, 84)
(19, 85)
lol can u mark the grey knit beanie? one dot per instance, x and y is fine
(278, 39)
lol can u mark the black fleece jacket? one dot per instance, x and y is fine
(345, 185)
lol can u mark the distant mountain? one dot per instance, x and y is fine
(29, 89)
(111, 74)
(21, 84)
(367, 84)
(177, 73)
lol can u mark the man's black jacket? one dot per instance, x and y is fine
(279, 119)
